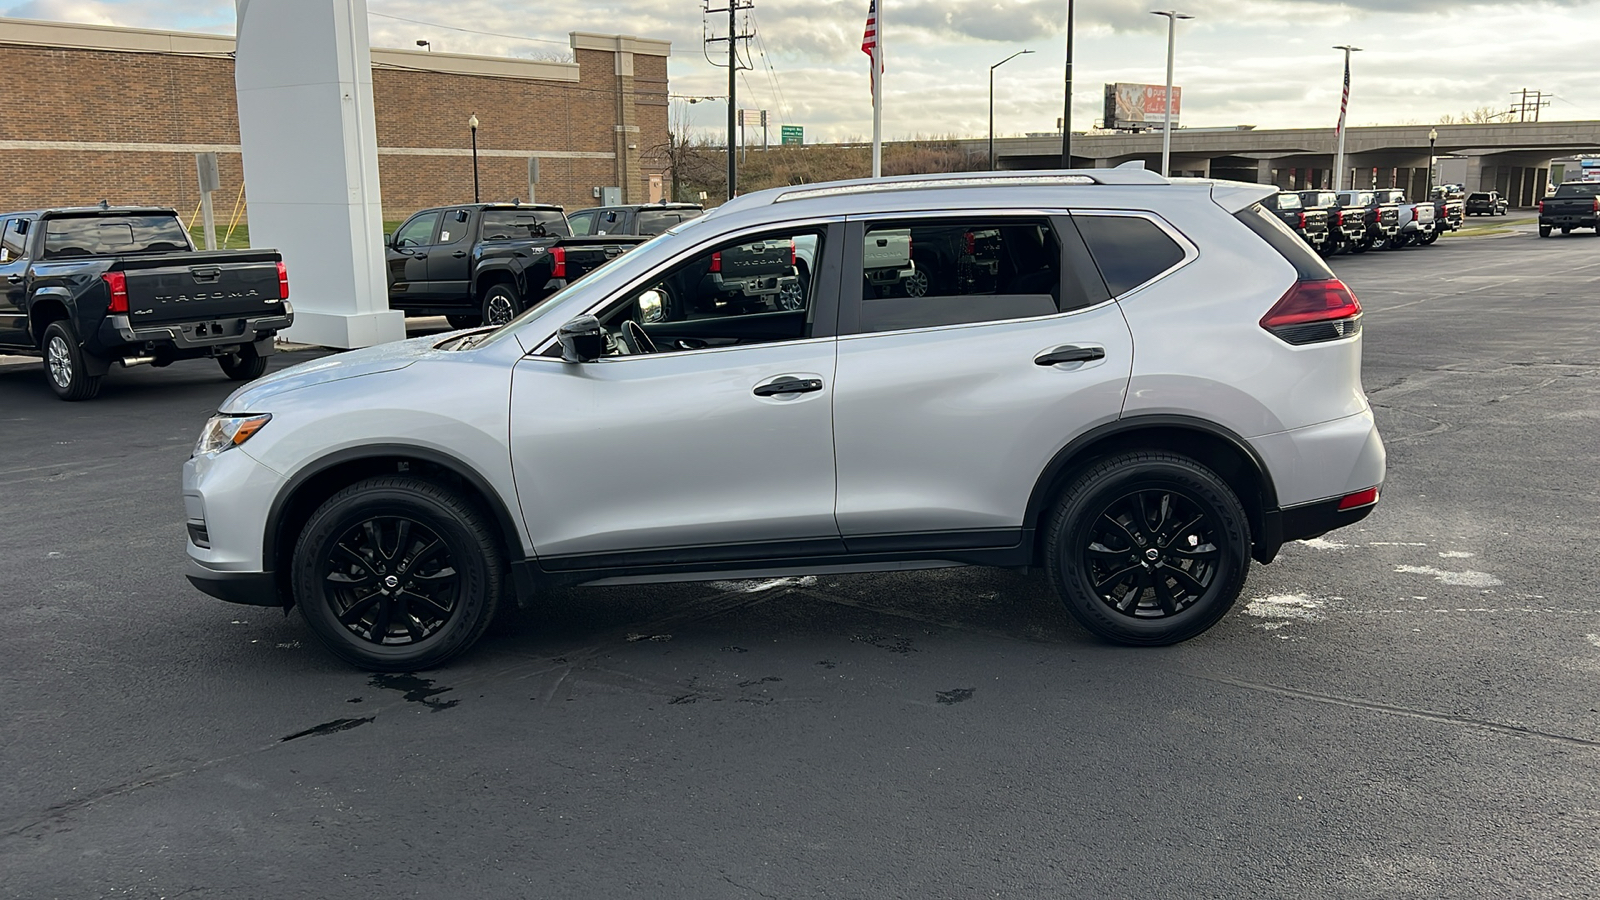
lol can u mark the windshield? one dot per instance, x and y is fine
(523, 224)
(1579, 189)
(113, 236)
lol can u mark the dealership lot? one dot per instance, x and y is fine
(1405, 708)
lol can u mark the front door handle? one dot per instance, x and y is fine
(419, 256)
(788, 385)
(1070, 355)
(14, 279)
(459, 254)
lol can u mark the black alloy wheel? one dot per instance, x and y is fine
(501, 304)
(1148, 548)
(397, 574)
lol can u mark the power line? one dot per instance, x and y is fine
(520, 37)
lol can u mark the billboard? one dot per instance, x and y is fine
(1138, 107)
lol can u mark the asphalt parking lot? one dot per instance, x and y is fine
(1407, 708)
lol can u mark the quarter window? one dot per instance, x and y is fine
(926, 273)
(1130, 250)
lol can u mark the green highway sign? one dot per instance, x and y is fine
(794, 134)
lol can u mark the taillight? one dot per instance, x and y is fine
(1541, 207)
(283, 281)
(558, 262)
(1338, 217)
(969, 243)
(1597, 204)
(1314, 311)
(1302, 221)
(793, 257)
(117, 284)
(1358, 499)
(716, 261)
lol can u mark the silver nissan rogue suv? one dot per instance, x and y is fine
(1134, 384)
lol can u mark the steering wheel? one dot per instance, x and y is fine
(633, 335)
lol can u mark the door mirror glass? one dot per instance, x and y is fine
(388, 239)
(652, 307)
(581, 340)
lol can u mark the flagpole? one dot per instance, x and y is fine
(1344, 102)
(877, 96)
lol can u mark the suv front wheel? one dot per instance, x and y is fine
(397, 574)
(1148, 548)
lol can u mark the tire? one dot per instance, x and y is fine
(915, 284)
(246, 365)
(446, 561)
(1544, 231)
(1115, 591)
(501, 304)
(1566, 229)
(1430, 239)
(65, 365)
(1361, 246)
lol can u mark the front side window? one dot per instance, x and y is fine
(418, 232)
(752, 291)
(927, 273)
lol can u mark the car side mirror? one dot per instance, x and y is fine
(581, 340)
(388, 239)
(652, 306)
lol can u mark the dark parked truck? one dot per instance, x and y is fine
(1310, 223)
(1575, 204)
(1347, 229)
(638, 218)
(86, 288)
(1449, 207)
(1415, 219)
(1381, 220)
(483, 263)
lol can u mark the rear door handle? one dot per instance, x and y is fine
(459, 254)
(14, 279)
(1069, 355)
(788, 385)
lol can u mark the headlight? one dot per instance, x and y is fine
(223, 432)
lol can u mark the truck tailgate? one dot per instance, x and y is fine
(201, 286)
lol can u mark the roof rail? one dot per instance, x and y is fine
(1042, 178)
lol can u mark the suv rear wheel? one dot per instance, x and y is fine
(1148, 548)
(397, 574)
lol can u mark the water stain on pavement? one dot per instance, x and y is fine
(414, 690)
(327, 728)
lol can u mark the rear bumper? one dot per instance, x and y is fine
(248, 588)
(1573, 221)
(117, 329)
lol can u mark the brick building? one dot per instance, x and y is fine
(119, 113)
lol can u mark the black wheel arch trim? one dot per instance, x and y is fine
(1268, 527)
(510, 534)
(487, 276)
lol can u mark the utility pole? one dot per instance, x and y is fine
(733, 9)
(1166, 127)
(1524, 106)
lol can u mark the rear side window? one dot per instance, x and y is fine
(582, 223)
(113, 235)
(655, 221)
(926, 273)
(13, 243)
(1290, 201)
(1130, 250)
(1307, 264)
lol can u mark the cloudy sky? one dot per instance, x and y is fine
(1267, 63)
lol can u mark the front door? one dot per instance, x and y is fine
(407, 258)
(13, 283)
(948, 404)
(712, 440)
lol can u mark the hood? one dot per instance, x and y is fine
(258, 395)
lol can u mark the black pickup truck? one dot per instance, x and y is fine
(1575, 204)
(483, 263)
(1310, 223)
(84, 288)
(1449, 207)
(638, 218)
(1346, 231)
(1381, 219)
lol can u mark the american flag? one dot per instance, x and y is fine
(1344, 101)
(869, 42)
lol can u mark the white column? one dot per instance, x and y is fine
(303, 72)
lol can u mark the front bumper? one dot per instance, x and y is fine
(117, 329)
(248, 588)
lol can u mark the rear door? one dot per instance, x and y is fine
(449, 259)
(13, 282)
(951, 400)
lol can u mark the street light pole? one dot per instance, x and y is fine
(1433, 136)
(427, 44)
(472, 123)
(1166, 127)
(1344, 102)
(1066, 111)
(991, 101)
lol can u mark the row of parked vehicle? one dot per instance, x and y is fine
(1382, 218)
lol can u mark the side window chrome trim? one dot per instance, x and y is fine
(820, 223)
(1190, 251)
